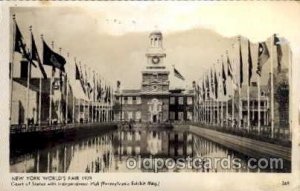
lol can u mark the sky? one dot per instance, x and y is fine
(111, 38)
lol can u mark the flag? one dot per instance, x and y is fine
(212, 86)
(207, 87)
(250, 65)
(90, 87)
(99, 90)
(19, 45)
(229, 68)
(263, 56)
(51, 58)
(35, 57)
(109, 94)
(203, 89)
(77, 73)
(216, 85)
(81, 80)
(224, 79)
(241, 67)
(177, 74)
(279, 52)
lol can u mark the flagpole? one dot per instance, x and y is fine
(67, 97)
(221, 98)
(73, 109)
(233, 90)
(61, 94)
(248, 106)
(101, 102)
(111, 103)
(248, 91)
(89, 100)
(258, 105)
(98, 98)
(272, 89)
(226, 97)
(93, 99)
(27, 88)
(12, 67)
(84, 111)
(27, 93)
(40, 101)
(204, 102)
(73, 98)
(290, 80)
(240, 87)
(51, 89)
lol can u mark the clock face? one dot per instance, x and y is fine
(155, 59)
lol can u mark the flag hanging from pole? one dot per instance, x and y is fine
(212, 86)
(279, 52)
(19, 45)
(224, 78)
(203, 89)
(216, 85)
(229, 68)
(35, 57)
(77, 73)
(51, 58)
(263, 56)
(177, 74)
(207, 87)
(241, 67)
(250, 64)
(81, 78)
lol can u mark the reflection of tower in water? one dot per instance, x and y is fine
(180, 144)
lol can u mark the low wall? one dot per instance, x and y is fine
(26, 141)
(249, 147)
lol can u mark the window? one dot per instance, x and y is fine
(189, 116)
(124, 100)
(138, 100)
(129, 150)
(180, 116)
(129, 114)
(137, 136)
(129, 101)
(189, 100)
(172, 115)
(180, 100)
(172, 100)
(137, 149)
(123, 115)
(138, 115)
(129, 136)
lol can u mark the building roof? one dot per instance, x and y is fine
(156, 32)
(34, 84)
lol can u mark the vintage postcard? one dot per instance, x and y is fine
(150, 95)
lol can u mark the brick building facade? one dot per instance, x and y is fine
(151, 103)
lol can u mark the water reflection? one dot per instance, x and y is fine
(109, 152)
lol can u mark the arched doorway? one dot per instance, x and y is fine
(155, 108)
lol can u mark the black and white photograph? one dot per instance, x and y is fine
(157, 89)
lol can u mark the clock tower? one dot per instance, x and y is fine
(155, 76)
